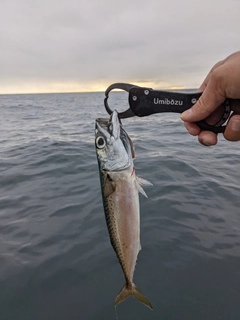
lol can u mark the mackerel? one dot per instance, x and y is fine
(120, 188)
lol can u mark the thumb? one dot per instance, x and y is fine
(210, 100)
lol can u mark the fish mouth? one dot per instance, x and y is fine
(114, 116)
(114, 120)
(109, 127)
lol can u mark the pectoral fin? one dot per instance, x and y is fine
(139, 182)
(144, 182)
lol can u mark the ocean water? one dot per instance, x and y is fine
(56, 260)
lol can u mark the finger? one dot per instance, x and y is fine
(212, 97)
(232, 131)
(207, 138)
(192, 128)
(206, 80)
(215, 116)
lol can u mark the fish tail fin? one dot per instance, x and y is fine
(139, 296)
(132, 291)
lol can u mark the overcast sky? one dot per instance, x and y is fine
(82, 45)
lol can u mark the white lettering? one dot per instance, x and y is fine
(167, 101)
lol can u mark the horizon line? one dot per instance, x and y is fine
(92, 91)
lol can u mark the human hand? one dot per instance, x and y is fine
(223, 81)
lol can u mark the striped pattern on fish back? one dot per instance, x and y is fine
(108, 204)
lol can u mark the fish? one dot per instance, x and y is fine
(120, 194)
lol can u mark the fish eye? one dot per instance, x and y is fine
(100, 142)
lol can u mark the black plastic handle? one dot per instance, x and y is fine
(144, 102)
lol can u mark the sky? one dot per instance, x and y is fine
(86, 45)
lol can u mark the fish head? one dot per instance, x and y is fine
(113, 146)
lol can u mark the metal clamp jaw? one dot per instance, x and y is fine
(125, 87)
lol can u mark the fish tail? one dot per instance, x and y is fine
(132, 291)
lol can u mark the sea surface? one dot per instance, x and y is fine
(56, 260)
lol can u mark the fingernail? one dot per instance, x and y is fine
(235, 125)
(186, 113)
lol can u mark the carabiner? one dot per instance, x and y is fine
(122, 86)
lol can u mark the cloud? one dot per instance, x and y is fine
(85, 45)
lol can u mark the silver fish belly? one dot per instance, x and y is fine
(120, 188)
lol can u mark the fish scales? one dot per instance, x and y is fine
(121, 226)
